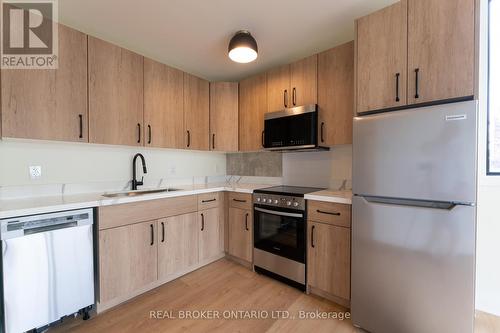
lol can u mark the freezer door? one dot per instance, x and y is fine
(426, 153)
(412, 268)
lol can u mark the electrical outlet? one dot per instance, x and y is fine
(35, 172)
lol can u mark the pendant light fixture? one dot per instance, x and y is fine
(242, 47)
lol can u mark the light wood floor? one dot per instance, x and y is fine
(222, 286)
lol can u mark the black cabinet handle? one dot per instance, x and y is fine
(210, 200)
(80, 118)
(189, 138)
(397, 87)
(322, 131)
(139, 133)
(417, 70)
(246, 222)
(262, 138)
(163, 232)
(328, 213)
(149, 134)
(202, 222)
(312, 236)
(213, 141)
(294, 96)
(285, 97)
(152, 234)
(239, 200)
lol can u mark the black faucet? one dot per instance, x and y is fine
(136, 183)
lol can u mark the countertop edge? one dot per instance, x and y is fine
(328, 198)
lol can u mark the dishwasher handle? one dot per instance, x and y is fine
(50, 228)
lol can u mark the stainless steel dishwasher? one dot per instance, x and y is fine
(48, 268)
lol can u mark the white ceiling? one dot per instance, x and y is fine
(193, 35)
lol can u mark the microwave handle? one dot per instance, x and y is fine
(274, 212)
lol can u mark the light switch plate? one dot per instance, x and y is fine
(35, 171)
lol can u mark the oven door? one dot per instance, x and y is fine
(281, 232)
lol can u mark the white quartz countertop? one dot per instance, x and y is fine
(39, 205)
(342, 197)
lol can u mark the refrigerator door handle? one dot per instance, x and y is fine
(413, 203)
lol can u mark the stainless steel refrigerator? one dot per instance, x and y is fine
(414, 220)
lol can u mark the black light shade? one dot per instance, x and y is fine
(242, 47)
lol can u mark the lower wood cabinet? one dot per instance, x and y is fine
(329, 261)
(178, 247)
(127, 260)
(209, 234)
(240, 233)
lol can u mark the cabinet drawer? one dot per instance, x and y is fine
(209, 200)
(331, 213)
(240, 200)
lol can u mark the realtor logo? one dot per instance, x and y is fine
(29, 34)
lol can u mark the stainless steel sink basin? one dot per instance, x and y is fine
(138, 192)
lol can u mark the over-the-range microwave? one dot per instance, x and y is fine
(292, 129)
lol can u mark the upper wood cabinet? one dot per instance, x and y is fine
(292, 85)
(252, 106)
(224, 116)
(49, 104)
(196, 112)
(415, 51)
(115, 94)
(336, 95)
(163, 105)
(382, 58)
(440, 49)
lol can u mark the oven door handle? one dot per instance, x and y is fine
(278, 213)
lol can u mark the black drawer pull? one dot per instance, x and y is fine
(211, 200)
(417, 70)
(246, 222)
(312, 236)
(152, 234)
(294, 96)
(202, 222)
(163, 232)
(397, 87)
(239, 200)
(285, 98)
(213, 141)
(149, 134)
(328, 213)
(80, 117)
(139, 133)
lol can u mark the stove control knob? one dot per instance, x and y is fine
(295, 204)
(275, 201)
(269, 200)
(258, 199)
(288, 203)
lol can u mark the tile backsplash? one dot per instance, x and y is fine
(260, 164)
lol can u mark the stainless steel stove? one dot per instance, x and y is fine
(280, 233)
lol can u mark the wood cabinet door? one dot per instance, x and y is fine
(278, 89)
(209, 235)
(240, 233)
(115, 94)
(252, 106)
(196, 112)
(440, 49)
(224, 116)
(329, 259)
(304, 81)
(163, 105)
(127, 259)
(177, 244)
(49, 104)
(382, 58)
(336, 95)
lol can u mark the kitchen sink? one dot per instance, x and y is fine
(138, 192)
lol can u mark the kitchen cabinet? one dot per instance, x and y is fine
(336, 95)
(292, 85)
(381, 58)
(196, 112)
(240, 233)
(329, 260)
(49, 104)
(163, 105)
(209, 235)
(115, 94)
(127, 260)
(441, 49)
(252, 106)
(177, 244)
(224, 116)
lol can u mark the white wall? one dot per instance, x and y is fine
(82, 163)
(488, 216)
(319, 169)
